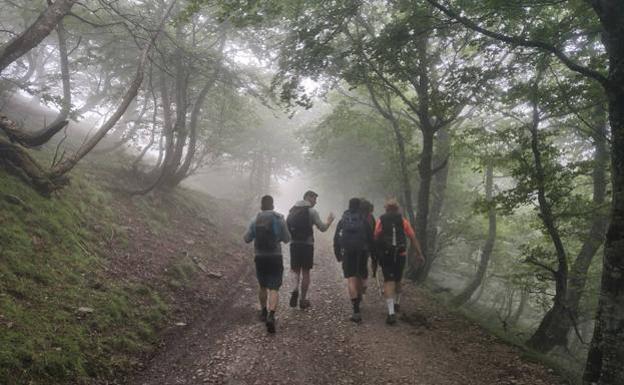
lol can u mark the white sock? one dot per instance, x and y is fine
(390, 303)
(398, 298)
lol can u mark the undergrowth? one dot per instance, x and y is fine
(511, 335)
(62, 320)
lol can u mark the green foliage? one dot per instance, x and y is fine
(49, 269)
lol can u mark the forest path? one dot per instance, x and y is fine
(228, 345)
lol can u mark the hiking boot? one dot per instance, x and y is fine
(304, 304)
(391, 319)
(397, 308)
(294, 296)
(264, 314)
(270, 324)
(356, 317)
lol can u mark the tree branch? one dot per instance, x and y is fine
(517, 41)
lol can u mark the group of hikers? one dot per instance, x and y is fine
(358, 238)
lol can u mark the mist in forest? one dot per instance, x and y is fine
(503, 149)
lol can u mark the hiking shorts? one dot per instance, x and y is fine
(269, 271)
(301, 256)
(355, 264)
(392, 266)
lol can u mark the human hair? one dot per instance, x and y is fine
(354, 204)
(266, 203)
(391, 205)
(310, 194)
(366, 207)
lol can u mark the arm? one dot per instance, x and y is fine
(409, 232)
(337, 248)
(377, 232)
(251, 232)
(316, 220)
(370, 238)
(284, 233)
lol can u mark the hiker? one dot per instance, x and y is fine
(267, 230)
(391, 232)
(302, 217)
(352, 240)
(367, 208)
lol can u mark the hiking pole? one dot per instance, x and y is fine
(376, 274)
(379, 285)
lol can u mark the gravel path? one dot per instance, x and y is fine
(228, 345)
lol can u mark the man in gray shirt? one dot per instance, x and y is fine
(267, 230)
(301, 221)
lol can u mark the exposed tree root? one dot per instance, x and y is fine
(18, 162)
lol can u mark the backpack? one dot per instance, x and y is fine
(353, 231)
(266, 238)
(393, 234)
(299, 224)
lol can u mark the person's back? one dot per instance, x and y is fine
(391, 234)
(301, 220)
(267, 230)
(392, 238)
(352, 239)
(268, 234)
(353, 231)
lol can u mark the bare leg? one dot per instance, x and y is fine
(273, 300)
(295, 274)
(305, 283)
(354, 284)
(390, 292)
(390, 289)
(262, 297)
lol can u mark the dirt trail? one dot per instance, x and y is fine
(228, 345)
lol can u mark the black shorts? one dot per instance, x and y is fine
(392, 266)
(269, 271)
(301, 256)
(355, 264)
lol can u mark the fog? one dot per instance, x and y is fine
(506, 185)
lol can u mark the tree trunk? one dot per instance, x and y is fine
(27, 139)
(604, 362)
(426, 158)
(439, 183)
(542, 338)
(561, 323)
(69, 163)
(524, 298)
(65, 78)
(183, 171)
(18, 162)
(406, 185)
(469, 290)
(34, 34)
(422, 204)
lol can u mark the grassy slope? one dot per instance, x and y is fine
(53, 262)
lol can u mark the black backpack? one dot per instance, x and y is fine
(266, 239)
(299, 223)
(353, 231)
(393, 235)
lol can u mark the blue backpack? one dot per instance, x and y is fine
(266, 237)
(353, 231)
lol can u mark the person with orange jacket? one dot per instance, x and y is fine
(391, 233)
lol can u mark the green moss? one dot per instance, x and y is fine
(48, 270)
